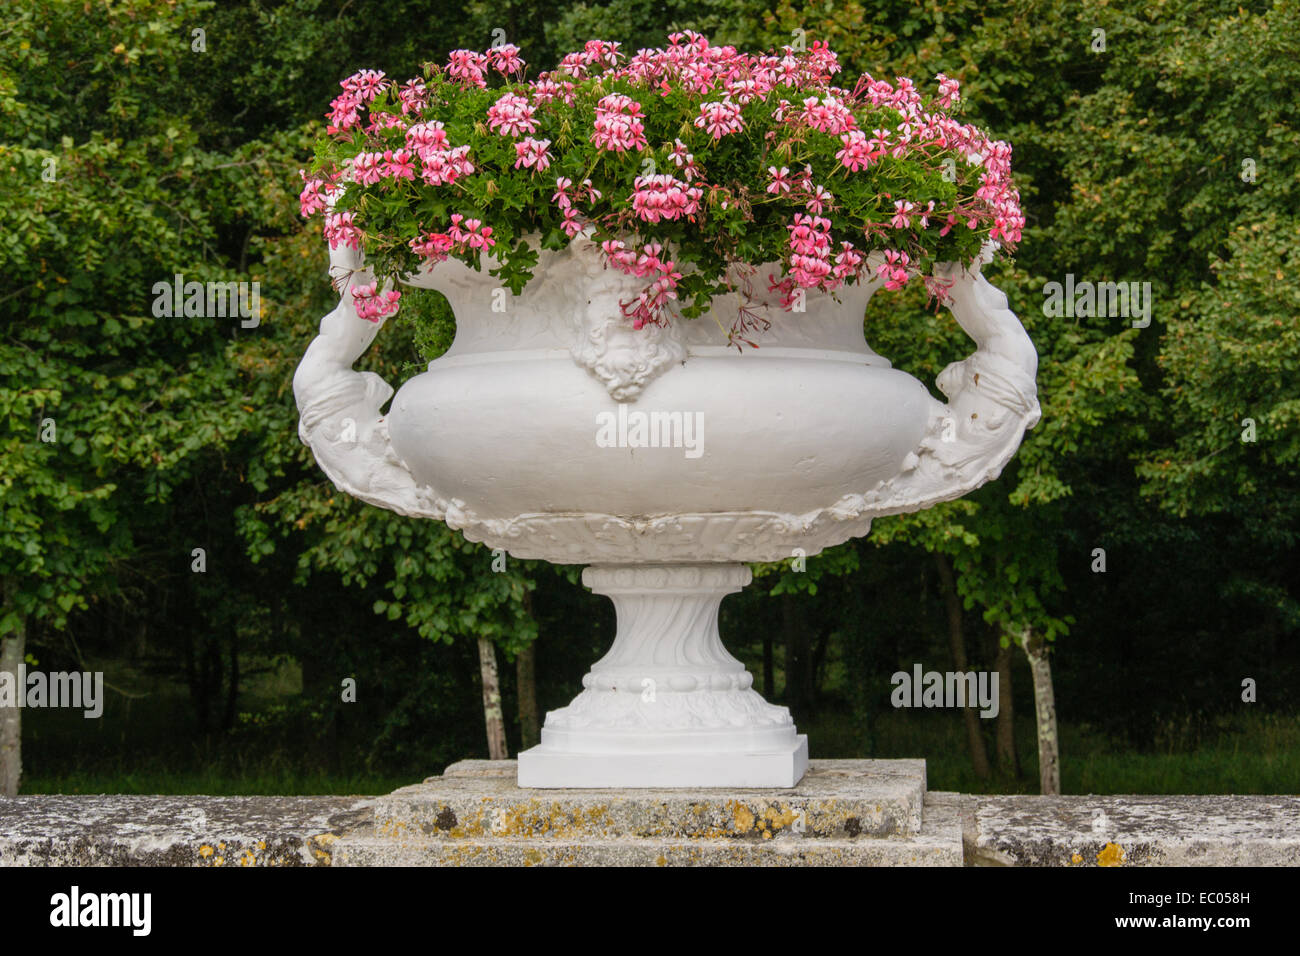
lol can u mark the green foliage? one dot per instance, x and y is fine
(1130, 161)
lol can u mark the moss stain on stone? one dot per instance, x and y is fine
(742, 818)
(1112, 854)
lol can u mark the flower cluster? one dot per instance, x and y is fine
(531, 154)
(650, 303)
(618, 125)
(564, 199)
(719, 119)
(512, 116)
(464, 236)
(341, 230)
(681, 162)
(663, 197)
(470, 68)
(372, 305)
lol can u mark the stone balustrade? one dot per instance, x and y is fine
(842, 813)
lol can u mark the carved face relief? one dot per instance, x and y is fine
(623, 358)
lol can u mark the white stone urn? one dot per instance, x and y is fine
(664, 459)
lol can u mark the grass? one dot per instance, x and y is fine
(137, 752)
(1246, 754)
(1251, 754)
(215, 783)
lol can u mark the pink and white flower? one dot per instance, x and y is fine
(949, 92)
(512, 116)
(894, 269)
(719, 119)
(364, 84)
(531, 154)
(618, 125)
(367, 168)
(856, 154)
(902, 214)
(399, 164)
(780, 180)
(828, 115)
(505, 59)
(469, 67)
(372, 305)
(664, 197)
(474, 235)
(433, 246)
(413, 96)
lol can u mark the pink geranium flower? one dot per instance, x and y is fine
(365, 85)
(780, 180)
(856, 154)
(474, 235)
(719, 119)
(531, 154)
(894, 269)
(618, 125)
(399, 164)
(902, 214)
(340, 230)
(468, 67)
(664, 197)
(372, 305)
(512, 116)
(505, 59)
(828, 115)
(413, 96)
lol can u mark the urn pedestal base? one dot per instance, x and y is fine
(548, 769)
(842, 813)
(668, 706)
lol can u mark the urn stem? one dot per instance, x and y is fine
(668, 705)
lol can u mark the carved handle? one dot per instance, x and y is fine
(340, 416)
(992, 401)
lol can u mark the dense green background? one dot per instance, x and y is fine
(175, 434)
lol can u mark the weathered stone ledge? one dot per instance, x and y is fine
(176, 831)
(1127, 830)
(843, 813)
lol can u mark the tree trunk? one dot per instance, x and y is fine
(13, 650)
(1049, 760)
(979, 757)
(526, 677)
(1008, 758)
(492, 716)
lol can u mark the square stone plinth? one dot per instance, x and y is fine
(543, 767)
(842, 812)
